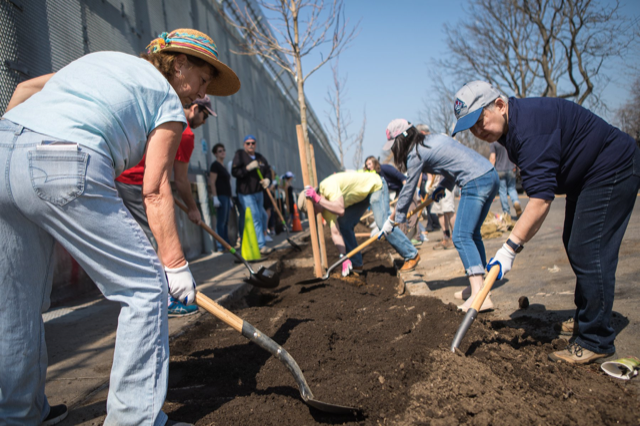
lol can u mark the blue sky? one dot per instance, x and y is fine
(387, 64)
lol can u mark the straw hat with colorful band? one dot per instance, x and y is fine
(200, 45)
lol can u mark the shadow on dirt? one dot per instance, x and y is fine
(456, 282)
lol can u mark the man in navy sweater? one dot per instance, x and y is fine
(563, 148)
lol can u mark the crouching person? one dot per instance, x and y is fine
(342, 199)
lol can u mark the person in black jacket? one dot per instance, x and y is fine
(250, 188)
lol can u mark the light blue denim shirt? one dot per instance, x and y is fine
(444, 156)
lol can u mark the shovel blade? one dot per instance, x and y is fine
(264, 278)
(294, 245)
(331, 408)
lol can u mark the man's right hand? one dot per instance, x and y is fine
(182, 286)
(252, 165)
(216, 201)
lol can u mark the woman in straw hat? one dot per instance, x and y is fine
(64, 139)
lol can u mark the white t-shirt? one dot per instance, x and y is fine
(106, 101)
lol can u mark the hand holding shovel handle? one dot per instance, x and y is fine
(472, 313)
(264, 278)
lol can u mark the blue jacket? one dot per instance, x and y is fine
(393, 177)
(562, 147)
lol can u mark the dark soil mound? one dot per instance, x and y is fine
(361, 345)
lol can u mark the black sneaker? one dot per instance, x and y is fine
(57, 413)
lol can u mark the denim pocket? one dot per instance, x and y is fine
(58, 176)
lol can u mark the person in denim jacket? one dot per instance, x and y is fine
(415, 153)
(64, 139)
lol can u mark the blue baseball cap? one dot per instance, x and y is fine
(249, 137)
(470, 101)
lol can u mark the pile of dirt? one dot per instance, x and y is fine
(359, 344)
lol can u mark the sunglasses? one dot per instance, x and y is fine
(250, 143)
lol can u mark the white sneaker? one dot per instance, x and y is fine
(268, 239)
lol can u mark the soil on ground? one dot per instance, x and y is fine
(360, 344)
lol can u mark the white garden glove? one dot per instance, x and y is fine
(387, 228)
(182, 286)
(216, 201)
(504, 257)
(265, 183)
(252, 165)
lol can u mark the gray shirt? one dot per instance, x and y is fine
(444, 156)
(503, 164)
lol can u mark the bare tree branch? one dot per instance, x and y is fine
(339, 118)
(358, 155)
(554, 48)
(297, 29)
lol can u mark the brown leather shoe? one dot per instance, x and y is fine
(444, 245)
(516, 206)
(567, 328)
(576, 354)
(410, 265)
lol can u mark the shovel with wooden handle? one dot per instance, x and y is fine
(260, 339)
(359, 248)
(284, 222)
(472, 313)
(264, 278)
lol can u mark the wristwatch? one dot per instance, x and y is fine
(517, 248)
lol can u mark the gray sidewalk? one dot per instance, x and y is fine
(81, 337)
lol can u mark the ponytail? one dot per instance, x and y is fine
(404, 144)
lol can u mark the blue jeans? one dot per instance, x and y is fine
(379, 201)
(69, 196)
(259, 216)
(475, 202)
(222, 218)
(595, 222)
(381, 212)
(508, 187)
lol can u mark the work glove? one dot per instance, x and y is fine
(387, 228)
(504, 258)
(216, 201)
(347, 266)
(265, 183)
(182, 286)
(438, 194)
(252, 165)
(310, 192)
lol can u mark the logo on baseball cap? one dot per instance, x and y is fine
(470, 101)
(394, 129)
